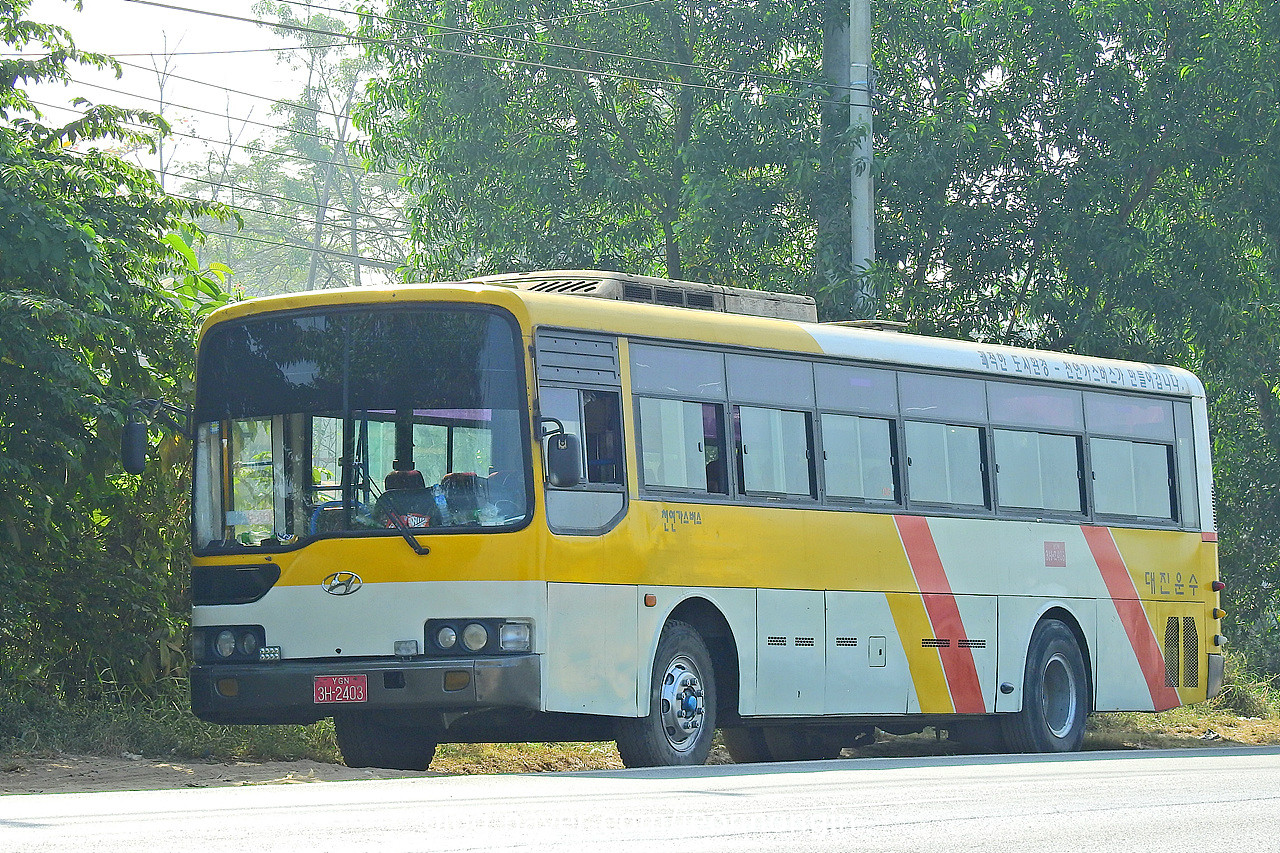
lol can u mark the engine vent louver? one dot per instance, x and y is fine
(1190, 652)
(846, 642)
(935, 643)
(806, 642)
(669, 296)
(972, 644)
(1172, 651)
(777, 641)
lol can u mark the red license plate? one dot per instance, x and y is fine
(340, 689)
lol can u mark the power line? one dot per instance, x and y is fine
(559, 18)
(178, 134)
(407, 45)
(227, 116)
(241, 189)
(421, 26)
(169, 75)
(368, 262)
(289, 216)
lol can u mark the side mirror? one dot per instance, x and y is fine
(564, 460)
(133, 447)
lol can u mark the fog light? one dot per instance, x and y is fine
(514, 637)
(475, 637)
(446, 637)
(456, 679)
(228, 687)
(248, 644)
(269, 653)
(406, 648)
(224, 644)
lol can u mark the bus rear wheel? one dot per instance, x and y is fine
(366, 741)
(1055, 695)
(682, 705)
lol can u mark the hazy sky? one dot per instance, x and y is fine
(140, 35)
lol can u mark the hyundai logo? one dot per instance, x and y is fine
(341, 583)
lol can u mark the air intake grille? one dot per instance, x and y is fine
(777, 641)
(668, 296)
(1190, 652)
(698, 299)
(807, 642)
(846, 641)
(1172, 651)
(637, 293)
(566, 286)
(972, 644)
(935, 643)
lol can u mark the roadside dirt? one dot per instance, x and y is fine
(85, 773)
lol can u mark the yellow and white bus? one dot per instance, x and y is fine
(591, 506)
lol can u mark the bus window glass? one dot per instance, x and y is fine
(858, 457)
(944, 464)
(1112, 414)
(602, 442)
(773, 451)
(326, 415)
(1188, 508)
(771, 381)
(673, 454)
(691, 373)
(1131, 478)
(856, 389)
(1037, 470)
(1031, 405)
(950, 398)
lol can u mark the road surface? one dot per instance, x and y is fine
(1223, 798)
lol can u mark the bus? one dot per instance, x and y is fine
(589, 506)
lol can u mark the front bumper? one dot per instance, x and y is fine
(284, 693)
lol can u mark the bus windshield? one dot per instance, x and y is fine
(359, 421)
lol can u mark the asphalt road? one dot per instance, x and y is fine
(1197, 800)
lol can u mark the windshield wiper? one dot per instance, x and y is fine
(396, 519)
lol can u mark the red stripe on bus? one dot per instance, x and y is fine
(1132, 615)
(1208, 537)
(944, 614)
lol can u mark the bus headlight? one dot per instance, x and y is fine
(224, 645)
(446, 637)
(475, 636)
(514, 637)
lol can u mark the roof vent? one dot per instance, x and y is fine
(662, 291)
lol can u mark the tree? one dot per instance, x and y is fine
(98, 300)
(1102, 178)
(313, 216)
(668, 137)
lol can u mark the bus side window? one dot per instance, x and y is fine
(602, 436)
(595, 417)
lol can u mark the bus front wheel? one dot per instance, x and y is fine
(682, 705)
(1055, 694)
(365, 741)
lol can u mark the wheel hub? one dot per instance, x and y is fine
(683, 704)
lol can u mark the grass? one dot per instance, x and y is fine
(34, 723)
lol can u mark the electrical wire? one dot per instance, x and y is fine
(423, 26)
(214, 113)
(168, 75)
(407, 45)
(241, 189)
(347, 256)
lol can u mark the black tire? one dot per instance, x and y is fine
(367, 742)
(1055, 694)
(802, 743)
(682, 705)
(746, 744)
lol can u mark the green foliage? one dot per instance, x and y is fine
(160, 724)
(551, 148)
(99, 297)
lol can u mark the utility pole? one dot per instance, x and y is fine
(866, 302)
